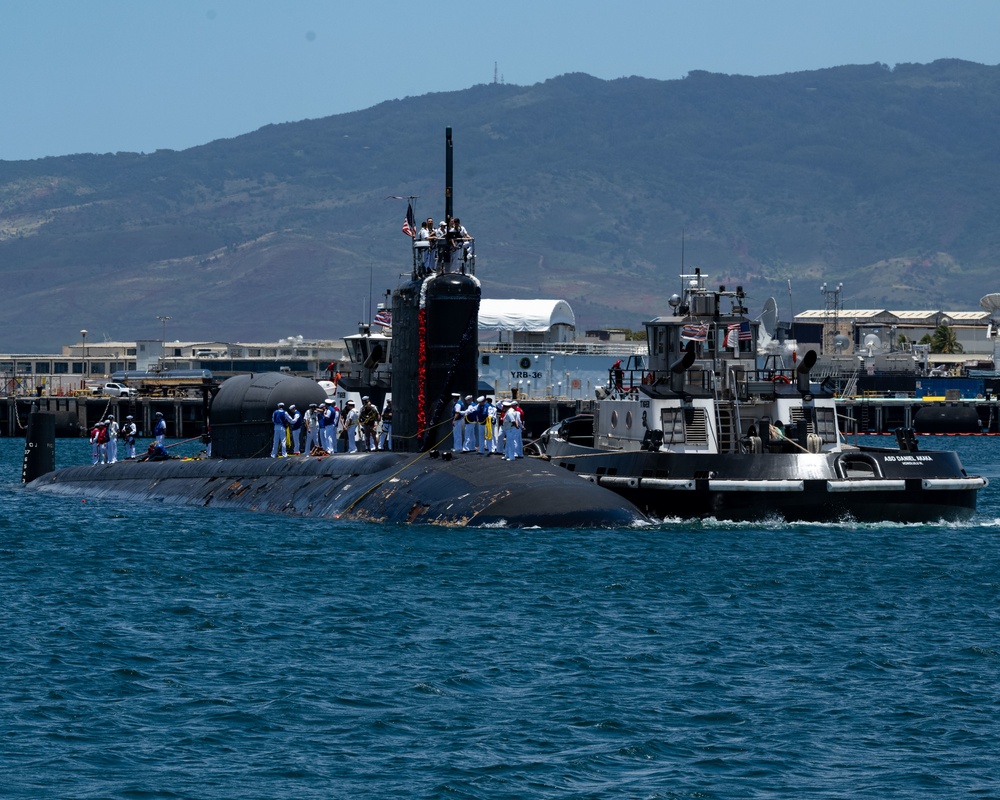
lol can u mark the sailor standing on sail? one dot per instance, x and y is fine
(427, 235)
(281, 421)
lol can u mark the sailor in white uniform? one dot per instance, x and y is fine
(495, 414)
(350, 424)
(511, 424)
(471, 424)
(518, 431)
(311, 423)
(457, 422)
(112, 439)
(281, 421)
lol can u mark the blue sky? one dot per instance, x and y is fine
(101, 76)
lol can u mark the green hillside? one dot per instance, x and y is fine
(575, 188)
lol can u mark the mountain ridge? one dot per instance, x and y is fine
(575, 187)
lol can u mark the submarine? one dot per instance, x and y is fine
(434, 313)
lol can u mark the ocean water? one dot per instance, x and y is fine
(161, 652)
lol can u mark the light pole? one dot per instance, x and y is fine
(83, 335)
(164, 320)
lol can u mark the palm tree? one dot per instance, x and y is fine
(944, 340)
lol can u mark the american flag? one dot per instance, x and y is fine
(384, 318)
(409, 224)
(695, 333)
(736, 333)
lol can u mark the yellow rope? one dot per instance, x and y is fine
(776, 434)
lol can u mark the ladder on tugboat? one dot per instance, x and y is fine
(726, 429)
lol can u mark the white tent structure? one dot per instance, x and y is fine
(530, 347)
(528, 320)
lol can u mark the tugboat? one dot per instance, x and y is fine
(704, 431)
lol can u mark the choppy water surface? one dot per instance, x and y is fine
(172, 652)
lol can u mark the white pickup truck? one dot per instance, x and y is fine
(115, 390)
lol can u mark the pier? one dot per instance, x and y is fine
(185, 416)
(880, 414)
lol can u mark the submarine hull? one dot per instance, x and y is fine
(374, 487)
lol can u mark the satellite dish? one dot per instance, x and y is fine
(872, 344)
(841, 342)
(769, 317)
(991, 303)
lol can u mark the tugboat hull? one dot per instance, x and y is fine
(868, 485)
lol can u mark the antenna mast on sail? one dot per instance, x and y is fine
(449, 200)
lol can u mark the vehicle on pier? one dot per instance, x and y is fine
(167, 382)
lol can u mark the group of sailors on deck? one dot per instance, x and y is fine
(445, 246)
(106, 433)
(329, 429)
(478, 426)
(481, 426)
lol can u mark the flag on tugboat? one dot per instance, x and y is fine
(695, 333)
(409, 224)
(384, 318)
(736, 333)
